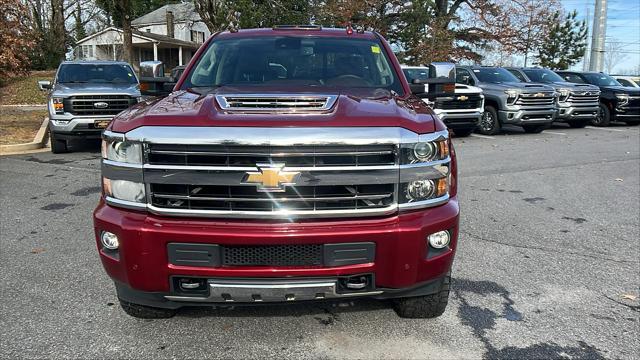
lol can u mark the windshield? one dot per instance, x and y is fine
(494, 75)
(283, 61)
(96, 73)
(421, 74)
(543, 76)
(601, 80)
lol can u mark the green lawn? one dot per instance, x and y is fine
(24, 89)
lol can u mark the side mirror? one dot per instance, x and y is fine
(442, 79)
(152, 79)
(152, 69)
(44, 84)
(417, 87)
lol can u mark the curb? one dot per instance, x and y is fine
(39, 141)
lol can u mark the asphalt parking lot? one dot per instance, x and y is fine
(547, 267)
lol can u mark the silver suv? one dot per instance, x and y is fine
(85, 96)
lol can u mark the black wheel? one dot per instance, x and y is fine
(533, 129)
(463, 132)
(489, 123)
(604, 116)
(58, 146)
(422, 307)
(577, 124)
(146, 312)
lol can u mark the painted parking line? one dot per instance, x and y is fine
(483, 136)
(604, 128)
(554, 133)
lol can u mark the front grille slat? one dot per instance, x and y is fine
(276, 103)
(536, 100)
(472, 101)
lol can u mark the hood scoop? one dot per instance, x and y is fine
(268, 103)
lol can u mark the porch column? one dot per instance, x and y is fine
(155, 51)
(93, 50)
(180, 56)
(113, 46)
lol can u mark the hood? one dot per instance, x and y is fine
(573, 86)
(515, 85)
(355, 108)
(621, 90)
(467, 89)
(95, 88)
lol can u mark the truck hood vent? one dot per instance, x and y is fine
(284, 103)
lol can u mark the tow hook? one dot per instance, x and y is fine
(357, 283)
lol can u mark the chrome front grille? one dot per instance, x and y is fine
(275, 103)
(536, 100)
(584, 98)
(460, 102)
(275, 173)
(97, 104)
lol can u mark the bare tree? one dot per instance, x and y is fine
(613, 55)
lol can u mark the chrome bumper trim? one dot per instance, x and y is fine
(221, 291)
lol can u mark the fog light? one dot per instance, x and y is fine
(109, 240)
(439, 240)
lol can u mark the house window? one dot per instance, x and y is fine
(86, 51)
(197, 36)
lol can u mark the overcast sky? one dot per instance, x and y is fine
(623, 26)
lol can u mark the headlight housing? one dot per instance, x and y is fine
(623, 99)
(58, 105)
(563, 94)
(426, 151)
(120, 150)
(124, 190)
(512, 96)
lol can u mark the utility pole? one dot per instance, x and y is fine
(585, 59)
(599, 31)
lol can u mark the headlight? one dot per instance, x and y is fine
(623, 99)
(121, 151)
(563, 94)
(124, 190)
(421, 190)
(425, 151)
(512, 95)
(58, 105)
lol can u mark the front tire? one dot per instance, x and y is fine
(58, 146)
(489, 123)
(533, 129)
(425, 307)
(603, 118)
(145, 312)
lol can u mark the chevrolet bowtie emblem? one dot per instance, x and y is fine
(538, 95)
(271, 177)
(463, 98)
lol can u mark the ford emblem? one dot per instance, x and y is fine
(100, 105)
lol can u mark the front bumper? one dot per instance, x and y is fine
(627, 113)
(77, 126)
(524, 117)
(402, 266)
(459, 119)
(571, 113)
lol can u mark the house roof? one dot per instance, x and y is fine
(147, 36)
(181, 12)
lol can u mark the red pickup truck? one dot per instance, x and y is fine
(288, 164)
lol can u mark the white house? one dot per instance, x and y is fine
(171, 34)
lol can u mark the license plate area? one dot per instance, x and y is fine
(101, 124)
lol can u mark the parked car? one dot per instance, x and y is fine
(323, 180)
(628, 81)
(461, 111)
(577, 103)
(84, 97)
(509, 101)
(617, 103)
